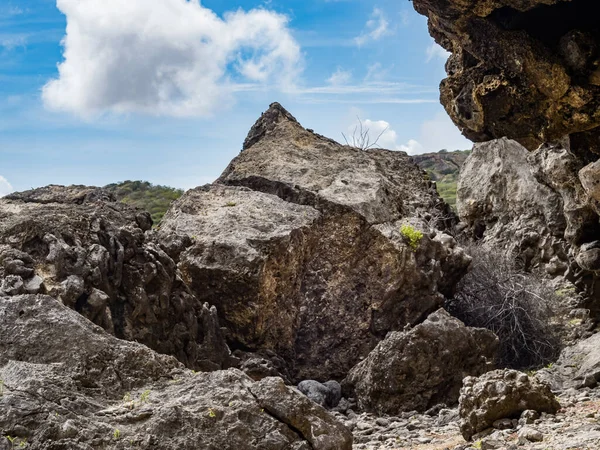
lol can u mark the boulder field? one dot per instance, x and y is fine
(306, 261)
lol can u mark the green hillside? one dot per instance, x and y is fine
(443, 167)
(142, 194)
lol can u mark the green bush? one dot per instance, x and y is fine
(412, 235)
(142, 194)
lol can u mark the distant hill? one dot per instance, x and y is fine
(443, 168)
(154, 199)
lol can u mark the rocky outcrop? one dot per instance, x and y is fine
(577, 367)
(68, 384)
(78, 245)
(532, 206)
(423, 367)
(326, 394)
(501, 394)
(526, 69)
(299, 246)
(501, 201)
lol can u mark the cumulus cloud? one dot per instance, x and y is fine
(437, 134)
(436, 51)
(5, 187)
(434, 135)
(166, 57)
(376, 27)
(340, 77)
(374, 133)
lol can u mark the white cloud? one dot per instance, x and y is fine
(434, 135)
(166, 57)
(5, 187)
(376, 27)
(12, 41)
(437, 134)
(436, 51)
(340, 77)
(374, 133)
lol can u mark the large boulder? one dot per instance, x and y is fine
(526, 69)
(299, 246)
(68, 384)
(78, 245)
(421, 368)
(501, 394)
(532, 207)
(503, 203)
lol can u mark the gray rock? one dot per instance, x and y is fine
(418, 369)
(299, 246)
(501, 394)
(67, 382)
(315, 425)
(528, 434)
(590, 179)
(326, 394)
(500, 200)
(578, 366)
(80, 246)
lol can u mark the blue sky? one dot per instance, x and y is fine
(165, 91)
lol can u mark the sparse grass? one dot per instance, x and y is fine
(116, 434)
(229, 205)
(144, 396)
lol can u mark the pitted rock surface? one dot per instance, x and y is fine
(298, 245)
(526, 69)
(501, 394)
(68, 384)
(78, 245)
(421, 368)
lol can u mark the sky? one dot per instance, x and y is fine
(100, 91)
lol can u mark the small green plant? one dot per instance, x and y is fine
(14, 441)
(211, 413)
(477, 444)
(127, 397)
(116, 434)
(229, 204)
(144, 396)
(412, 235)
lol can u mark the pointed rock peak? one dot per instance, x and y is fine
(267, 123)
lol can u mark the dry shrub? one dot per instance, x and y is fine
(518, 307)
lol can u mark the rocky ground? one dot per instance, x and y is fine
(576, 426)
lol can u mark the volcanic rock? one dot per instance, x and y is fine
(78, 245)
(69, 384)
(299, 246)
(501, 394)
(526, 69)
(420, 368)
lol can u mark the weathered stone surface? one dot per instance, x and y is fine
(78, 245)
(577, 367)
(420, 368)
(326, 394)
(312, 421)
(526, 69)
(68, 384)
(533, 208)
(298, 245)
(501, 201)
(501, 394)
